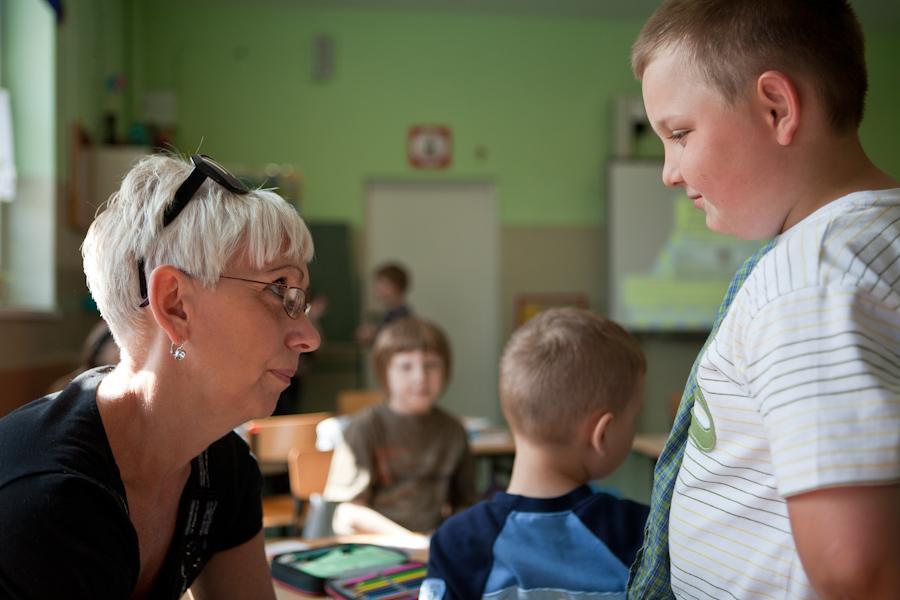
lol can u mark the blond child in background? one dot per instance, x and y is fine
(780, 477)
(571, 386)
(403, 465)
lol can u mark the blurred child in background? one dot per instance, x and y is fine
(403, 465)
(391, 284)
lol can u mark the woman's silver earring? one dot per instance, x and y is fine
(177, 352)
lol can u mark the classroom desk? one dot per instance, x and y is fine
(414, 545)
(649, 444)
(495, 450)
(494, 442)
(500, 443)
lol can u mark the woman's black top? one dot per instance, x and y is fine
(64, 525)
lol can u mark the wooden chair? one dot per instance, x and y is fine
(271, 441)
(350, 401)
(308, 473)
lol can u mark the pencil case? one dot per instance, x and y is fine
(309, 570)
(399, 582)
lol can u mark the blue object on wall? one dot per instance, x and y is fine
(57, 7)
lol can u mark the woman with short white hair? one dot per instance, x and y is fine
(130, 483)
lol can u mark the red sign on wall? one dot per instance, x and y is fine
(429, 146)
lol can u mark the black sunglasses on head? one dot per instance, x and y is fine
(204, 167)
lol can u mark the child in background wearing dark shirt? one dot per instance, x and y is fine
(391, 283)
(571, 386)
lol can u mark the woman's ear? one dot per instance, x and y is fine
(598, 432)
(170, 292)
(780, 99)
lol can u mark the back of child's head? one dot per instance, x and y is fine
(395, 274)
(563, 365)
(408, 335)
(731, 42)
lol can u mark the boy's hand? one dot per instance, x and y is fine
(350, 517)
(848, 539)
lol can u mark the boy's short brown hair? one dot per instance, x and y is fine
(731, 42)
(561, 366)
(406, 335)
(395, 274)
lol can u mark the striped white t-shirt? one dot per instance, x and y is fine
(799, 390)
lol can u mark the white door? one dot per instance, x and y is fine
(447, 235)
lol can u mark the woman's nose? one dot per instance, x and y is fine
(304, 337)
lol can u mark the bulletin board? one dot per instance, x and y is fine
(529, 305)
(667, 271)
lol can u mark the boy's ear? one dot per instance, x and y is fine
(170, 291)
(779, 98)
(598, 430)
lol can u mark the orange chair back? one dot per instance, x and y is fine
(308, 472)
(350, 401)
(272, 438)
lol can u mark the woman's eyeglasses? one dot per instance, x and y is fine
(293, 298)
(204, 167)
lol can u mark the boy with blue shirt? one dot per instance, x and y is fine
(571, 386)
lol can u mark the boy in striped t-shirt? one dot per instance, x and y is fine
(788, 483)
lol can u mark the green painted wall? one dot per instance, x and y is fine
(880, 129)
(534, 93)
(92, 50)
